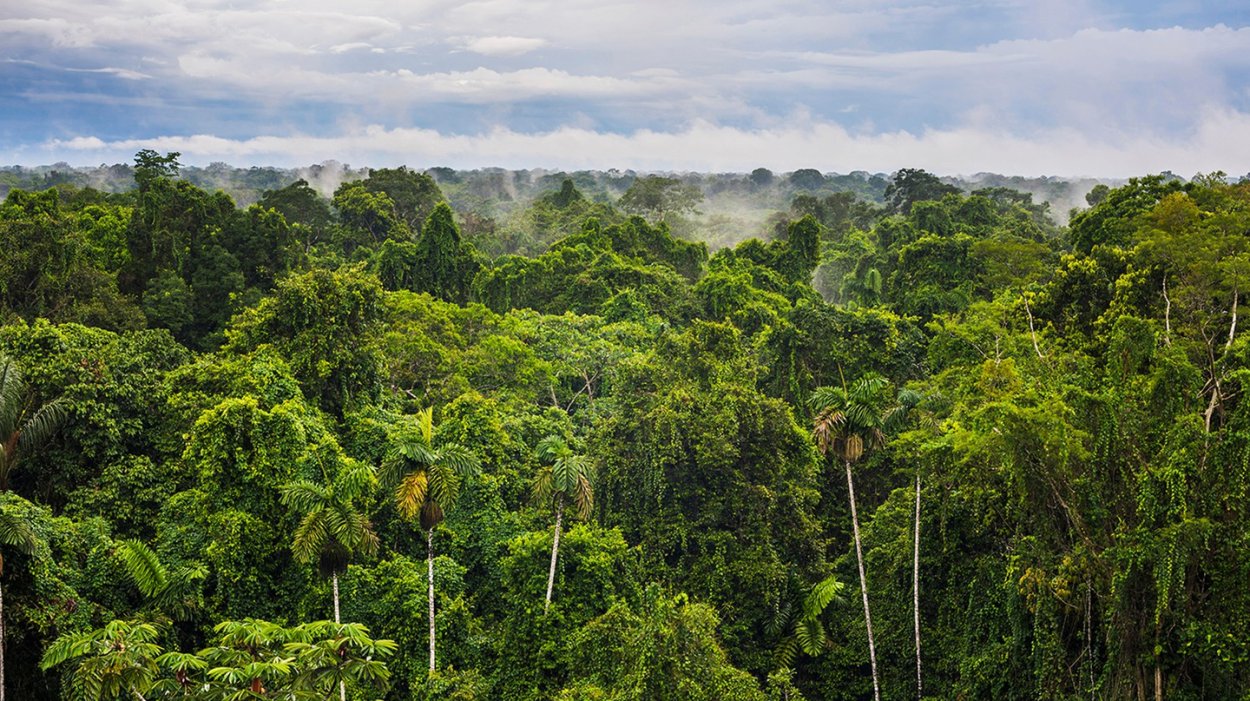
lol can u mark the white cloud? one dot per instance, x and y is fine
(503, 46)
(1222, 141)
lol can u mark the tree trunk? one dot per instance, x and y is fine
(555, 549)
(1158, 681)
(334, 577)
(1167, 314)
(2, 636)
(429, 561)
(915, 587)
(863, 583)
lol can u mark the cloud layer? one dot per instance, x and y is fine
(1065, 87)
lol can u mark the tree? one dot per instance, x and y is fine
(16, 533)
(848, 423)
(333, 530)
(325, 324)
(444, 266)
(657, 197)
(567, 477)
(23, 427)
(912, 185)
(114, 662)
(426, 479)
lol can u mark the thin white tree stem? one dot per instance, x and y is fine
(334, 576)
(429, 560)
(863, 583)
(555, 549)
(2, 637)
(915, 587)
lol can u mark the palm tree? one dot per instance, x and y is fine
(333, 530)
(426, 479)
(567, 477)
(15, 532)
(848, 423)
(23, 428)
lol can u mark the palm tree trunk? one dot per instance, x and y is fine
(863, 583)
(334, 577)
(555, 548)
(429, 561)
(2, 634)
(915, 587)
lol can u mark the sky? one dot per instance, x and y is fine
(1102, 88)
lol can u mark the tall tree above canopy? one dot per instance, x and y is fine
(426, 476)
(656, 197)
(912, 185)
(444, 266)
(414, 194)
(849, 422)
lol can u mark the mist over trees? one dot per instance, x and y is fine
(493, 434)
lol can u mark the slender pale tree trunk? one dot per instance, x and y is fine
(863, 583)
(915, 587)
(429, 561)
(2, 634)
(555, 549)
(334, 577)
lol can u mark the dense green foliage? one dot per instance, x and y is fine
(199, 402)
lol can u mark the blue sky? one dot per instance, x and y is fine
(1065, 87)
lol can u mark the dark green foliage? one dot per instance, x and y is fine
(444, 266)
(911, 185)
(325, 323)
(1074, 405)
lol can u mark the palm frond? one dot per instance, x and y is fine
(417, 451)
(584, 497)
(786, 652)
(304, 495)
(552, 448)
(310, 535)
(357, 480)
(65, 648)
(444, 485)
(458, 458)
(411, 492)
(15, 531)
(425, 424)
(810, 635)
(144, 567)
(363, 538)
(564, 474)
(542, 489)
(12, 395)
(824, 593)
(40, 427)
